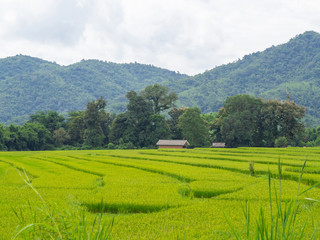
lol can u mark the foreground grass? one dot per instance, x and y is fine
(283, 220)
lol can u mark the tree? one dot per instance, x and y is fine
(239, 122)
(36, 136)
(193, 127)
(160, 97)
(51, 120)
(121, 130)
(156, 129)
(60, 136)
(12, 138)
(138, 112)
(248, 121)
(2, 138)
(210, 119)
(76, 126)
(281, 142)
(96, 123)
(175, 130)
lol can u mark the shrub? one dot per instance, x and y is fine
(251, 168)
(111, 146)
(281, 142)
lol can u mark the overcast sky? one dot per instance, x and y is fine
(189, 36)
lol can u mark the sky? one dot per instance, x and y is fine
(187, 36)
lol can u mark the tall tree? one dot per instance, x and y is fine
(96, 123)
(60, 137)
(248, 121)
(2, 138)
(210, 119)
(139, 111)
(239, 121)
(160, 97)
(283, 119)
(76, 127)
(193, 127)
(121, 130)
(175, 130)
(51, 120)
(36, 136)
(12, 138)
(157, 129)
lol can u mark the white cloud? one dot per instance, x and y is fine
(189, 36)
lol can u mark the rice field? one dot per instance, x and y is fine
(154, 194)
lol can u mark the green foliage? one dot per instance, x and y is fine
(60, 137)
(157, 129)
(76, 126)
(96, 123)
(159, 97)
(34, 136)
(292, 67)
(175, 130)
(281, 142)
(239, 121)
(30, 84)
(248, 121)
(121, 129)
(51, 120)
(251, 168)
(193, 127)
(139, 112)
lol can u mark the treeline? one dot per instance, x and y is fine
(141, 126)
(243, 121)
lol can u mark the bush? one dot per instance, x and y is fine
(111, 146)
(281, 142)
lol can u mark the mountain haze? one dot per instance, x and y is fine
(30, 84)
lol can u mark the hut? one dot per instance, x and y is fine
(173, 143)
(218, 145)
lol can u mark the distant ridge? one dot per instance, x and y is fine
(29, 84)
(292, 67)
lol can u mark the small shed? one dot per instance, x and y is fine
(218, 145)
(173, 143)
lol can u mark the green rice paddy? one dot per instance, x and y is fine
(155, 194)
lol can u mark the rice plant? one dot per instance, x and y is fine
(282, 221)
(51, 224)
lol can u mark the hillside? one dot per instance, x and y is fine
(30, 84)
(292, 67)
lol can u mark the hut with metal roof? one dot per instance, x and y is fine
(173, 143)
(218, 145)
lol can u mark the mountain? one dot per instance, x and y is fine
(293, 68)
(28, 85)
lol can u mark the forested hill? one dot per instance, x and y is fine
(294, 66)
(28, 85)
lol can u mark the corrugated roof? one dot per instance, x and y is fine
(173, 142)
(218, 144)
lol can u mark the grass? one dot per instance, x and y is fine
(157, 194)
(57, 225)
(282, 223)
